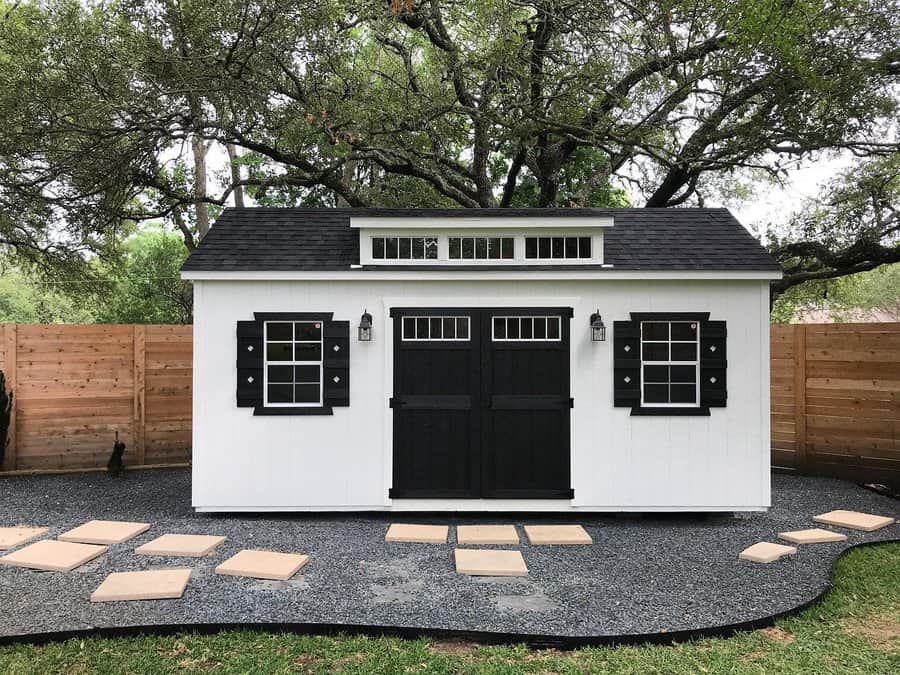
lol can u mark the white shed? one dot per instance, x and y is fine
(489, 360)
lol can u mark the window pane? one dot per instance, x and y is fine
(418, 248)
(449, 328)
(378, 248)
(307, 351)
(655, 330)
(540, 328)
(308, 330)
(512, 329)
(409, 327)
(436, 327)
(656, 373)
(543, 247)
(531, 247)
(390, 247)
(584, 247)
(683, 330)
(571, 247)
(494, 248)
(557, 247)
(462, 329)
(306, 374)
(656, 393)
(279, 331)
(481, 248)
(306, 393)
(281, 393)
(652, 351)
(278, 351)
(684, 351)
(422, 329)
(526, 328)
(405, 252)
(684, 393)
(454, 248)
(506, 248)
(468, 248)
(281, 374)
(684, 374)
(431, 249)
(553, 328)
(499, 328)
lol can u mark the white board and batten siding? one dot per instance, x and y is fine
(243, 462)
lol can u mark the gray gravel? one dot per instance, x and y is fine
(643, 575)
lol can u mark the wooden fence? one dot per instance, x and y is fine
(835, 397)
(836, 400)
(76, 386)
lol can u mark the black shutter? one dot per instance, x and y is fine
(249, 364)
(336, 363)
(713, 364)
(626, 364)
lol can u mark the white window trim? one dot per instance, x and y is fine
(415, 338)
(549, 317)
(695, 363)
(320, 363)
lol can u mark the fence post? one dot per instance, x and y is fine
(139, 418)
(800, 395)
(9, 369)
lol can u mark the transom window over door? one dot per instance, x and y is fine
(435, 328)
(293, 363)
(670, 363)
(525, 329)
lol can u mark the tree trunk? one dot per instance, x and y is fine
(199, 147)
(238, 190)
(347, 182)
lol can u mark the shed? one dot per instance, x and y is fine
(480, 360)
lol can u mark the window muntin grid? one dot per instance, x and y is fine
(526, 328)
(670, 364)
(435, 328)
(481, 248)
(292, 368)
(404, 248)
(557, 248)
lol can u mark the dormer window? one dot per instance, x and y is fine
(557, 248)
(481, 248)
(404, 248)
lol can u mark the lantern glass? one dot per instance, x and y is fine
(598, 329)
(365, 328)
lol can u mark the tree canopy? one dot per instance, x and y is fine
(110, 109)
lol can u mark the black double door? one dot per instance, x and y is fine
(481, 403)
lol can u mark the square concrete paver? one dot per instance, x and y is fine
(10, 537)
(854, 520)
(814, 536)
(53, 556)
(263, 564)
(487, 534)
(539, 535)
(147, 585)
(481, 563)
(418, 534)
(188, 545)
(104, 532)
(766, 552)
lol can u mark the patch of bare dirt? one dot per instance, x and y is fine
(454, 647)
(776, 634)
(882, 631)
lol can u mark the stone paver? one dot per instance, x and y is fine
(490, 563)
(145, 585)
(854, 520)
(10, 537)
(104, 532)
(813, 536)
(543, 535)
(766, 552)
(53, 556)
(487, 534)
(417, 534)
(263, 564)
(187, 545)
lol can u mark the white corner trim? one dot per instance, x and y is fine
(368, 274)
(480, 222)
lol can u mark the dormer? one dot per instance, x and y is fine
(480, 240)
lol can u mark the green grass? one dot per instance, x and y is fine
(855, 629)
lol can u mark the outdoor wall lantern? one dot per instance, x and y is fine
(365, 327)
(598, 330)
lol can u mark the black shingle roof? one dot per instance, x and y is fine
(287, 239)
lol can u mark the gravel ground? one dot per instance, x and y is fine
(643, 575)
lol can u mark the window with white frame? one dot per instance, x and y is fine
(525, 329)
(481, 248)
(557, 248)
(404, 248)
(435, 328)
(293, 363)
(670, 363)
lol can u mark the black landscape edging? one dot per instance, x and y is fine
(483, 637)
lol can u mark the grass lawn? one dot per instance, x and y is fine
(856, 629)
